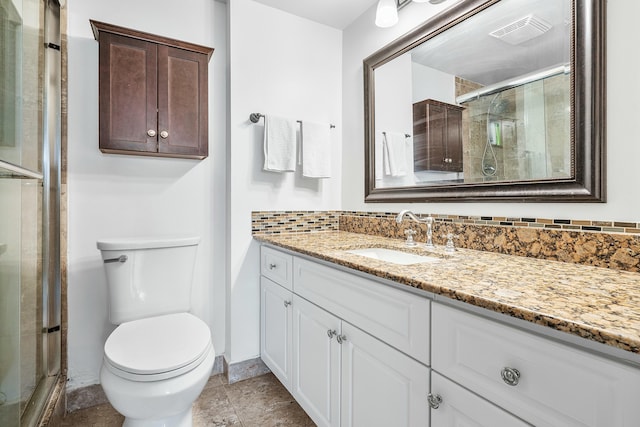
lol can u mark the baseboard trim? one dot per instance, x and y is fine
(244, 370)
(93, 395)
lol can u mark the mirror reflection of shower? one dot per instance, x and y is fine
(516, 134)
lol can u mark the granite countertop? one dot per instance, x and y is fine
(598, 304)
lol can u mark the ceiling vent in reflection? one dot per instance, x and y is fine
(522, 30)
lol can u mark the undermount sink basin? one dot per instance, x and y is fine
(393, 256)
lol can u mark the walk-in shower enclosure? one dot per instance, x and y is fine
(30, 112)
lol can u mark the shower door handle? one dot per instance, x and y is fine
(121, 258)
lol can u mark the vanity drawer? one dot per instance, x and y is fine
(398, 318)
(551, 384)
(276, 266)
(452, 405)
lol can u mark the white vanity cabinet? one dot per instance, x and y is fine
(543, 382)
(357, 352)
(350, 340)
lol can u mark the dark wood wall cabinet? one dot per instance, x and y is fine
(437, 136)
(153, 94)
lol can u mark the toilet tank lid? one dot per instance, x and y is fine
(118, 244)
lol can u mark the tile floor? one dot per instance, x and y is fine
(257, 402)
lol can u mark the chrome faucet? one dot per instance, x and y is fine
(428, 220)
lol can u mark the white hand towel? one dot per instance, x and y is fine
(316, 150)
(279, 144)
(395, 152)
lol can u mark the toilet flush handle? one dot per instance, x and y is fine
(121, 258)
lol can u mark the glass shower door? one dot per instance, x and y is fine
(29, 206)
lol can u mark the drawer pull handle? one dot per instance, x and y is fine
(331, 333)
(287, 303)
(510, 376)
(434, 400)
(341, 338)
(272, 266)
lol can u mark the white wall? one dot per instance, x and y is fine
(118, 195)
(429, 83)
(362, 38)
(283, 65)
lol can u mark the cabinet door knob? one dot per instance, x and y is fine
(272, 266)
(510, 376)
(341, 338)
(287, 303)
(434, 400)
(151, 133)
(164, 134)
(331, 333)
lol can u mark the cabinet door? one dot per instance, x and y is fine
(436, 137)
(461, 408)
(380, 386)
(182, 102)
(128, 94)
(454, 139)
(276, 330)
(316, 362)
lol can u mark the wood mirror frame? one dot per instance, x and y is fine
(588, 131)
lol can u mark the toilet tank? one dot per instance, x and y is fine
(148, 277)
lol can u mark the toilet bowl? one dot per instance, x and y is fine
(159, 358)
(155, 368)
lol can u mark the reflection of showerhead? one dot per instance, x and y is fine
(500, 107)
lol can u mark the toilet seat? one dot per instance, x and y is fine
(157, 348)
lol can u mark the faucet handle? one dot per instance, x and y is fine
(450, 247)
(410, 233)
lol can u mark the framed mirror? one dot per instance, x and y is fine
(499, 100)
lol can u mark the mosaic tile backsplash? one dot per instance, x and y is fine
(610, 244)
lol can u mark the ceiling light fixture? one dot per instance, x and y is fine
(387, 10)
(386, 13)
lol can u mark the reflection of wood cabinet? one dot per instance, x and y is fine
(153, 94)
(437, 136)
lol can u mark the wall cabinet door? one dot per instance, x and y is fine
(128, 94)
(153, 94)
(437, 136)
(380, 386)
(316, 362)
(276, 329)
(453, 405)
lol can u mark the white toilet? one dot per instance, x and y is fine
(159, 358)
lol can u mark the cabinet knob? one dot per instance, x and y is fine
(151, 133)
(287, 303)
(341, 338)
(331, 333)
(164, 134)
(434, 400)
(510, 376)
(272, 266)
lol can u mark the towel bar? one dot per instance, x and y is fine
(255, 117)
